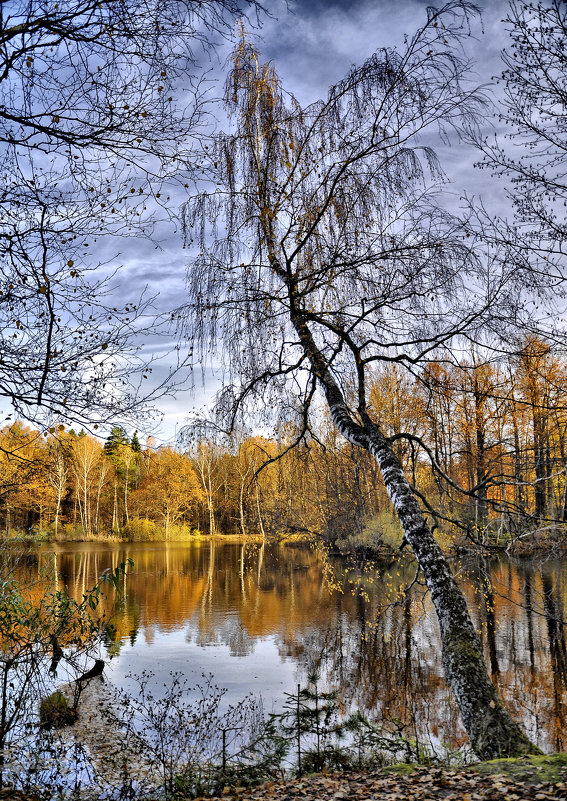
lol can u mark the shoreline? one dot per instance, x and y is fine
(519, 548)
(251, 538)
(113, 751)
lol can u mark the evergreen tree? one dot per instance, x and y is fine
(117, 438)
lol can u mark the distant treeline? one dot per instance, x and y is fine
(484, 444)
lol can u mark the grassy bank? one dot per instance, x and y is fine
(124, 535)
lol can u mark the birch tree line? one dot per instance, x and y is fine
(496, 430)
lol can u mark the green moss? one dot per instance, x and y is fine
(401, 769)
(55, 712)
(459, 645)
(528, 769)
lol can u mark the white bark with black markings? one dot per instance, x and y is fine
(335, 256)
(492, 731)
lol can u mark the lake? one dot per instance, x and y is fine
(263, 619)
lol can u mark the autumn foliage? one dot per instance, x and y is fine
(484, 443)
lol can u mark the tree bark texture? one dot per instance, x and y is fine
(493, 732)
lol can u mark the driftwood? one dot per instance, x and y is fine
(96, 670)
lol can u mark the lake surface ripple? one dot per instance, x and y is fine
(263, 619)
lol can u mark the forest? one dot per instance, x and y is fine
(496, 431)
(387, 331)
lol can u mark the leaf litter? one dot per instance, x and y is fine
(422, 784)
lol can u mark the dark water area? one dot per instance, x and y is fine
(263, 619)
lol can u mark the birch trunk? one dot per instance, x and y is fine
(493, 732)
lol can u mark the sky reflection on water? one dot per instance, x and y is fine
(263, 619)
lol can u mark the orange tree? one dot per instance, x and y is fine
(169, 488)
(26, 493)
(332, 256)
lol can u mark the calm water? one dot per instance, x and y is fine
(263, 619)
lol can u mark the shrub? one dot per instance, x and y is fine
(141, 529)
(71, 532)
(192, 742)
(381, 531)
(38, 630)
(181, 531)
(55, 712)
(384, 530)
(25, 535)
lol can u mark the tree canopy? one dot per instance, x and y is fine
(530, 152)
(93, 129)
(334, 254)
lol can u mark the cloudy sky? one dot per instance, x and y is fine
(312, 44)
(315, 44)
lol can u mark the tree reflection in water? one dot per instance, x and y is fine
(378, 647)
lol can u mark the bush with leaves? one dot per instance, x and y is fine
(40, 630)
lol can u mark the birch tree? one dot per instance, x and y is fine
(89, 471)
(331, 255)
(101, 113)
(533, 113)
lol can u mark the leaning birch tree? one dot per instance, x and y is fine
(323, 251)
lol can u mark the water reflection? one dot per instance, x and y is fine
(264, 617)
